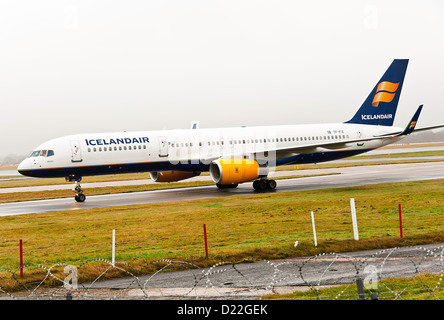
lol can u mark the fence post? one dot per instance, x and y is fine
(360, 289)
(400, 220)
(206, 242)
(21, 258)
(314, 229)
(113, 253)
(354, 221)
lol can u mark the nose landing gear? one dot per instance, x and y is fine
(79, 197)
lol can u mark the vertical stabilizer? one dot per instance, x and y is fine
(380, 106)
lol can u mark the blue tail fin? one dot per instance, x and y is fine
(380, 106)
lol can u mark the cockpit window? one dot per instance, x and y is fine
(42, 153)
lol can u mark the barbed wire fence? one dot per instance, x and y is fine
(346, 276)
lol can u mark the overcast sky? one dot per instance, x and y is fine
(70, 67)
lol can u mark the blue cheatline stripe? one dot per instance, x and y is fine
(166, 165)
(113, 169)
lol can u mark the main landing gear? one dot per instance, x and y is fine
(264, 184)
(79, 197)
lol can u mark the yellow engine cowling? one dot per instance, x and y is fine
(234, 171)
(171, 176)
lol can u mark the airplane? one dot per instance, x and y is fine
(231, 155)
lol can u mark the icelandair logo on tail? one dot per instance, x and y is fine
(385, 92)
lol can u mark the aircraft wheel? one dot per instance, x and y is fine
(260, 185)
(271, 184)
(80, 197)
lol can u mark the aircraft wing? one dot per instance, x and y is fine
(312, 147)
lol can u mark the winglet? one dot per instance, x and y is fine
(412, 124)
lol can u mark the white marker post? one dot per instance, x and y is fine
(354, 221)
(314, 229)
(114, 248)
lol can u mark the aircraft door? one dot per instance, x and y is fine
(360, 144)
(76, 151)
(163, 147)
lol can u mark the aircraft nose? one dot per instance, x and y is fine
(23, 166)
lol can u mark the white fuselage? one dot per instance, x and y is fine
(193, 149)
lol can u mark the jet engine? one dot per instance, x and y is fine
(226, 172)
(171, 176)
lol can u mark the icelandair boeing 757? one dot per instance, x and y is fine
(231, 155)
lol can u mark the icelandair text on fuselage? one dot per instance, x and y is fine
(376, 116)
(106, 142)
